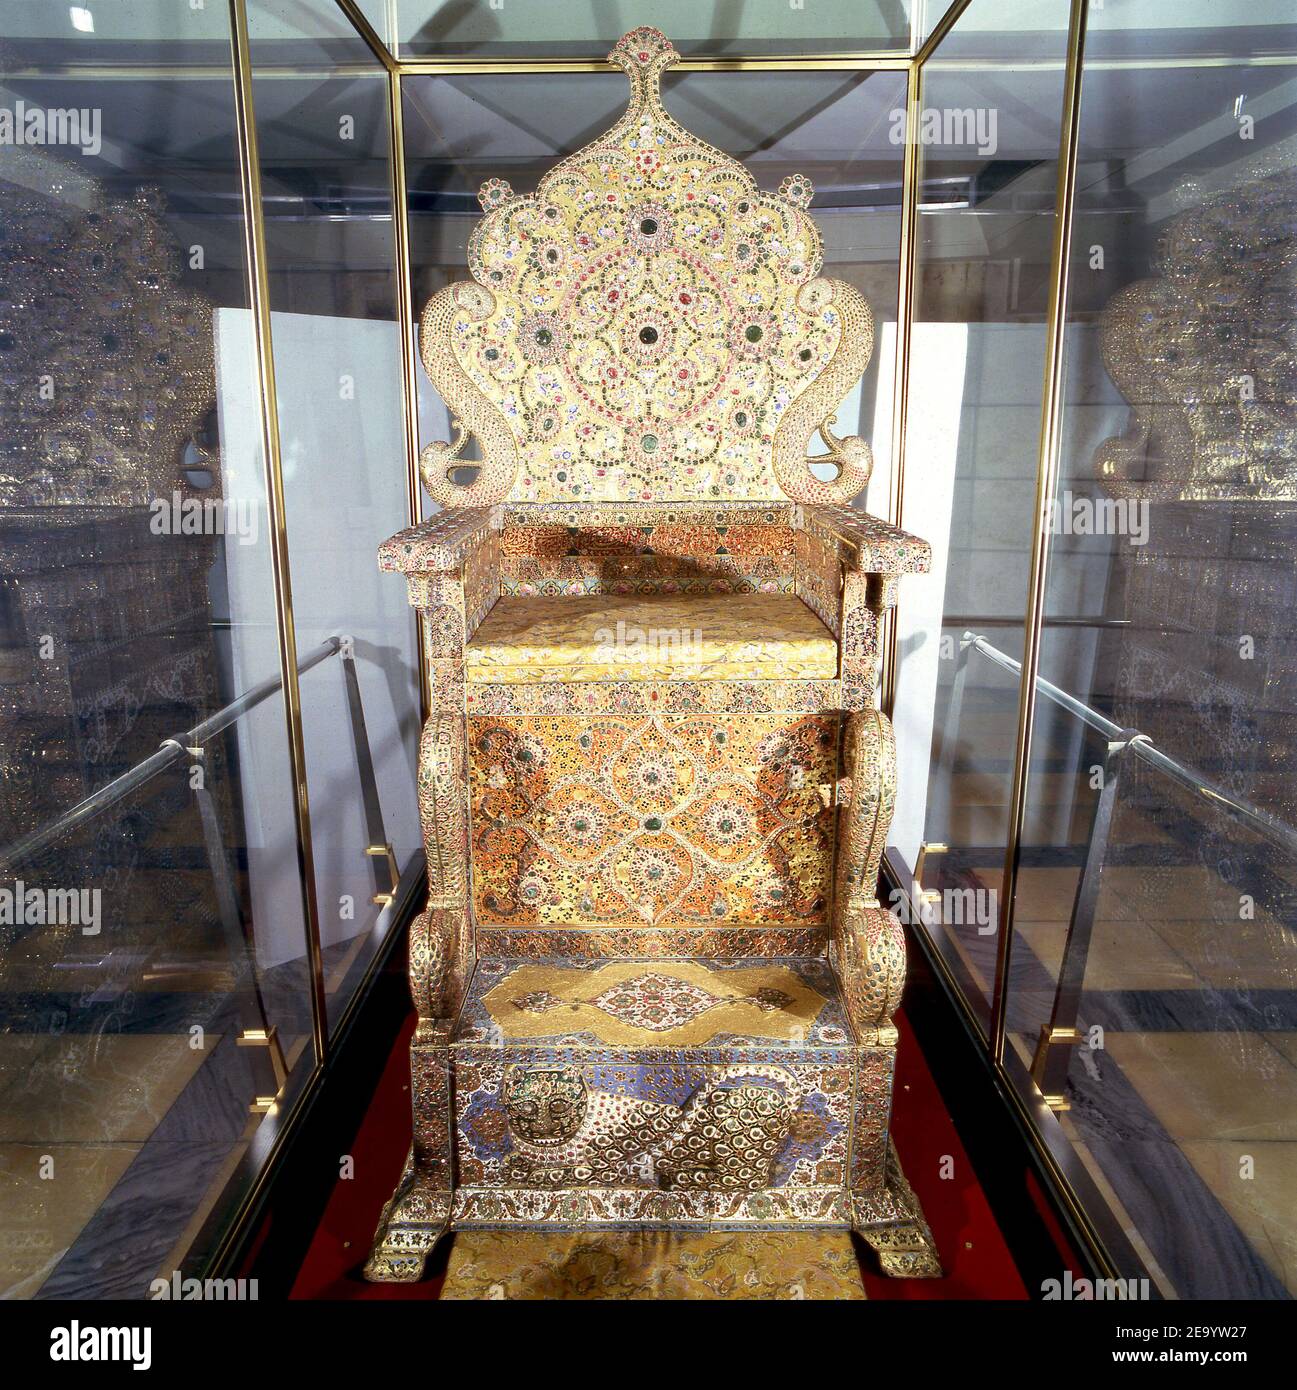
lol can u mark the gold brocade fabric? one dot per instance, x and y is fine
(650, 637)
(655, 1004)
(715, 1265)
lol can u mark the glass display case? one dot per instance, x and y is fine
(1076, 224)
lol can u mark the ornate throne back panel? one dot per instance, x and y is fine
(648, 326)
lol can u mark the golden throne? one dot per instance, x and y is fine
(654, 984)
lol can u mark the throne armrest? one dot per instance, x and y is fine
(441, 544)
(864, 544)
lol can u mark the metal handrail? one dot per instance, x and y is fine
(1142, 747)
(1061, 1035)
(171, 751)
(268, 1063)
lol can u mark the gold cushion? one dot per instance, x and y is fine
(612, 637)
(656, 1003)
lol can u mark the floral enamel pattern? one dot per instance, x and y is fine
(653, 981)
(652, 821)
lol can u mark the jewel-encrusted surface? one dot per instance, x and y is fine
(655, 697)
(647, 1098)
(651, 558)
(739, 1002)
(656, 1004)
(94, 287)
(652, 821)
(648, 325)
(1203, 351)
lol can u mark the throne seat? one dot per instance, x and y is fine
(661, 1091)
(654, 636)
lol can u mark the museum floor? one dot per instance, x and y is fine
(1165, 1102)
(1186, 1118)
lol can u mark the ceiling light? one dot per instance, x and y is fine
(82, 19)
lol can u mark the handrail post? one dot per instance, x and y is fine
(1049, 1066)
(378, 846)
(269, 1070)
(945, 769)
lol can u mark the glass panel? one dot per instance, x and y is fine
(528, 28)
(1170, 611)
(1008, 30)
(836, 127)
(95, 34)
(132, 953)
(325, 166)
(1129, 29)
(988, 155)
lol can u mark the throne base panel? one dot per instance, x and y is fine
(890, 1221)
(672, 1094)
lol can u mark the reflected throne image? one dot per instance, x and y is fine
(1204, 353)
(654, 983)
(106, 640)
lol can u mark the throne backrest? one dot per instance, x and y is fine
(648, 326)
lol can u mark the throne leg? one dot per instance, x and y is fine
(440, 955)
(418, 1214)
(869, 951)
(901, 1239)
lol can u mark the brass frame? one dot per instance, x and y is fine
(913, 64)
(1047, 469)
(259, 299)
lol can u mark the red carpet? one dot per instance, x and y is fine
(338, 1251)
(973, 1250)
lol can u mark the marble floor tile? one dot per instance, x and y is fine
(125, 1243)
(1285, 1043)
(977, 825)
(1261, 1205)
(1134, 827)
(1248, 955)
(1182, 892)
(1047, 895)
(1158, 1277)
(1197, 1246)
(41, 1217)
(979, 789)
(1056, 826)
(92, 1088)
(1122, 955)
(1220, 1085)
